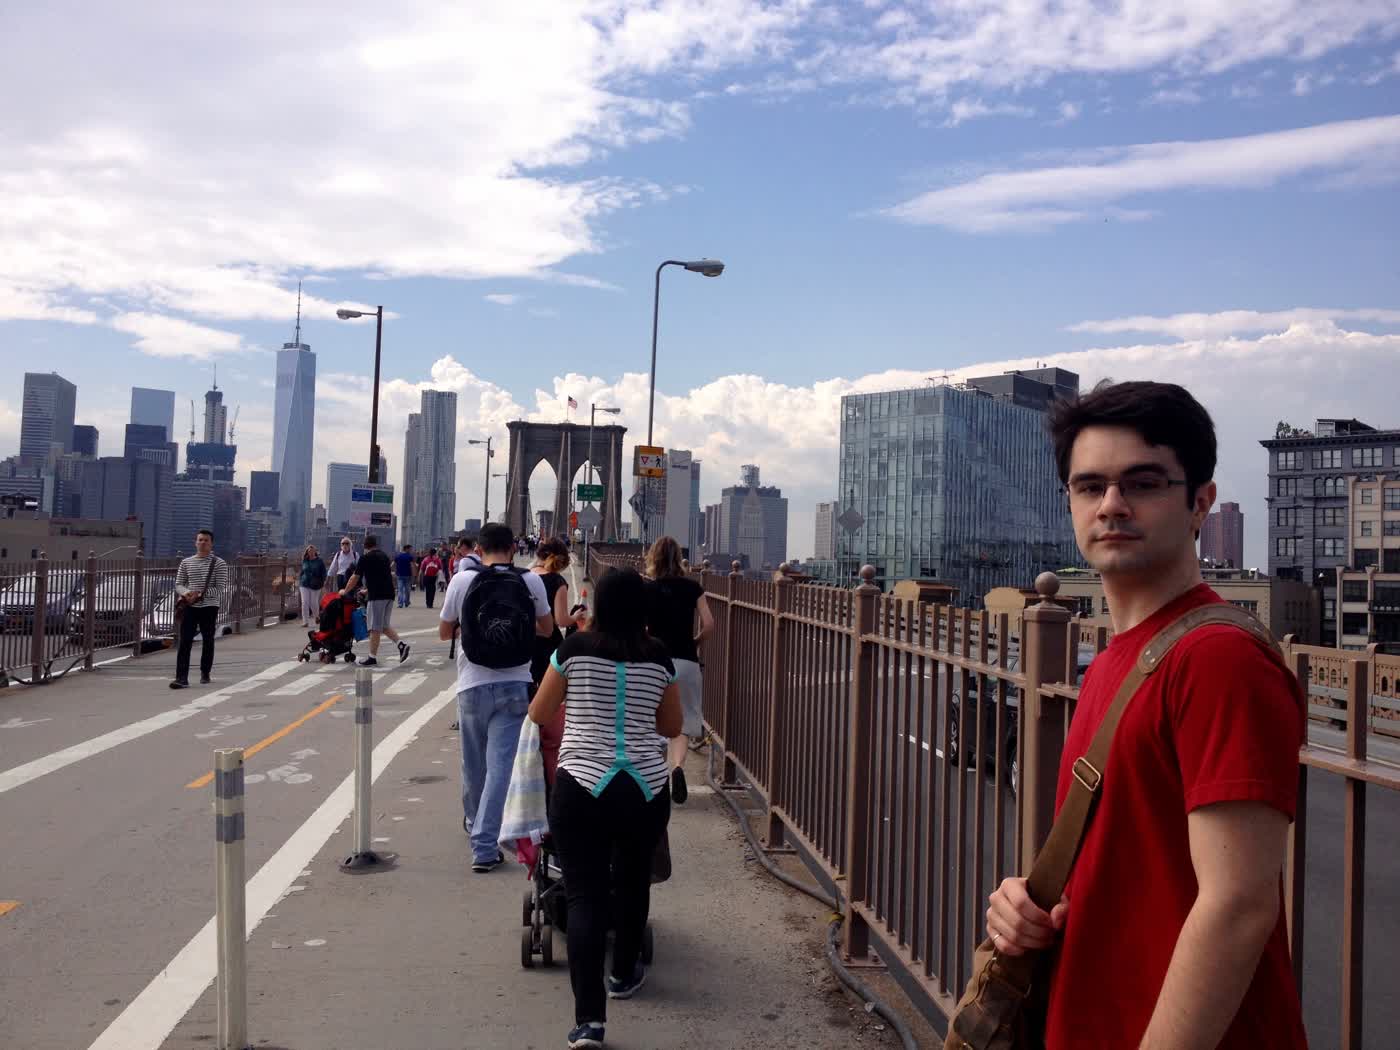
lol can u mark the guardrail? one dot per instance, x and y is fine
(848, 711)
(55, 616)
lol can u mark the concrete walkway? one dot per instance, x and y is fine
(426, 956)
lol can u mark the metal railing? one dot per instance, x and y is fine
(848, 712)
(55, 616)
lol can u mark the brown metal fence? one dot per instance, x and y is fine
(55, 616)
(913, 751)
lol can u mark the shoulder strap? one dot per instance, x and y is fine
(209, 574)
(1051, 870)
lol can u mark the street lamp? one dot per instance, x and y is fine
(350, 315)
(706, 268)
(486, 499)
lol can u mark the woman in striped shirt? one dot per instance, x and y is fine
(611, 796)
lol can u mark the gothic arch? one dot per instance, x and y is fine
(564, 446)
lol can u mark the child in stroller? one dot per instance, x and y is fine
(335, 632)
(545, 906)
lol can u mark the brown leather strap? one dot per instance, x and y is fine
(1050, 872)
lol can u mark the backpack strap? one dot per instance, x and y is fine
(1051, 870)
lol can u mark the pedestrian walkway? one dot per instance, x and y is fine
(426, 956)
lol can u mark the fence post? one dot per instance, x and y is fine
(282, 592)
(855, 934)
(262, 572)
(363, 856)
(1044, 660)
(41, 614)
(230, 914)
(729, 775)
(90, 612)
(782, 602)
(138, 600)
(235, 606)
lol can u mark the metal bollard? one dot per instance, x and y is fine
(231, 986)
(363, 856)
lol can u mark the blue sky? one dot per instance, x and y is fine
(897, 191)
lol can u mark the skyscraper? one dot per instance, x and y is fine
(215, 417)
(47, 420)
(435, 477)
(263, 493)
(154, 408)
(149, 441)
(1222, 536)
(679, 510)
(85, 441)
(340, 479)
(293, 428)
(412, 440)
(753, 521)
(825, 549)
(957, 483)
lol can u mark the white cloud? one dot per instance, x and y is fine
(1039, 198)
(503, 298)
(162, 336)
(258, 146)
(965, 109)
(1181, 96)
(1068, 111)
(1230, 322)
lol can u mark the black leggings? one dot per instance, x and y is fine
(429, 589)
(605, 848)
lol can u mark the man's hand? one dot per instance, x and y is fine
(193, 596)
(1016, 925)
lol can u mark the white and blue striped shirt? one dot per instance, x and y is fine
(610, 714)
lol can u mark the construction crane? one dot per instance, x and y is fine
(233, 423)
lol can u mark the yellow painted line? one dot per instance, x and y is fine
(205, 780)
(8, 906)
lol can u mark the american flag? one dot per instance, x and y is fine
(573, 403)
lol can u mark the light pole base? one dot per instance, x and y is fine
(363, 861)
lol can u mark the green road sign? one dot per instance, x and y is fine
(590, 492)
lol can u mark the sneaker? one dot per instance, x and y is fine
(204, 679)
(403, 651)
(589, 1034)
(368, 661)
(625, 988)
(178, 684)
(679, 792)
(467, 825)
(481, 867)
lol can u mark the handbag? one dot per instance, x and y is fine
(182, 602)
(1003, 1007)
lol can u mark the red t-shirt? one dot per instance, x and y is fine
(1219, 721)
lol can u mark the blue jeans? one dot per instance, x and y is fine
(404, 581)
(489, 717)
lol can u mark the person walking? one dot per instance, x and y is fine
(375, 571)
(201, 582)
(501, 609)
(1170, 931)
(310, 581)
(553, 559)
(673, 601)
(403, 573)
(430, 568)
(611, 799)
(342, 565)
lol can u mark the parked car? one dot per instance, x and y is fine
(17, 603)
(115, 618)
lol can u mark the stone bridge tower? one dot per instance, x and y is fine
(564, 446)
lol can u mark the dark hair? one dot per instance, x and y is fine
(553, 554)
(497, 538)
(1163, 414)
(371, 541)
(620, 617)
(206, 532)
(408, 546)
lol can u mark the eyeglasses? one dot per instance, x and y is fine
(1136, 489)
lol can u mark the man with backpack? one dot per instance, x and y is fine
(500, 610)
(1169, 929)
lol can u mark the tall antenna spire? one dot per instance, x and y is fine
(297, 338)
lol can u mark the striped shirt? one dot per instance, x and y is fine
(610, 714)
(190, 577)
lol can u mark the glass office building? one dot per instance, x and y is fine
(954, 483)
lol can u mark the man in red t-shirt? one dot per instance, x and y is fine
(1171, 932)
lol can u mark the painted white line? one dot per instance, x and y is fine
(406, 683)
(153, 1015)
(420, 630)
(297, 687)
(13, 778)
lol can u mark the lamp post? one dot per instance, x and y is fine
(706, 268)
(349, 315)
(593, 411)
(486, 497)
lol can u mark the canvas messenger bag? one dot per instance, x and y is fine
(1004, 1005)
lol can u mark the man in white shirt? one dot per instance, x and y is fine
(503, 614)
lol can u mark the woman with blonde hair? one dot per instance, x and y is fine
(674, 602)
(310, 581)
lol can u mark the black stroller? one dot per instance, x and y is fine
(335, 631)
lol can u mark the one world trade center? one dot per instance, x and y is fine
(293, 427)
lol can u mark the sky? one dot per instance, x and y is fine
(1198, 193)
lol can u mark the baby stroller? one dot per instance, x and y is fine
(335, 631)
(545, 907)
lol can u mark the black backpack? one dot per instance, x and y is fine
(498, 618)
